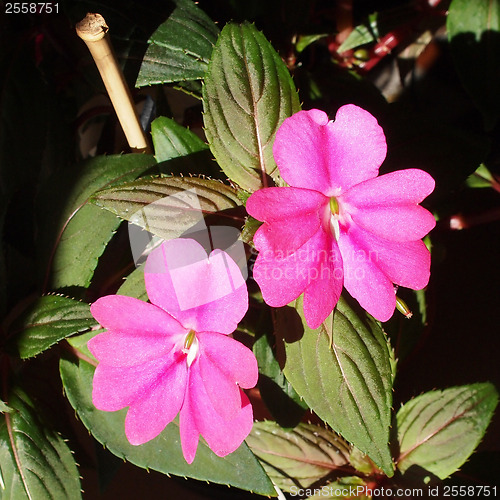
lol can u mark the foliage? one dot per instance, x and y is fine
(326, 405)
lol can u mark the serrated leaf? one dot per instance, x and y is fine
(168, 206)
(301, 456)
(248, 92)
(343, 372)
(180, 48)
(473, 31)
(134, 285)
(48, 320)
(439, 430)
(172, 140)
(182, 150)
(35, 462)
(73, 232)
(164, 454)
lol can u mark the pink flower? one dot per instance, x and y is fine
(174, 354)
(338, 224)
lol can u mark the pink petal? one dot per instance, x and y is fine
(330, 157)
(291, 215)
(396, 222)
(403, 187)
(405, 263)
(188, 430)
(223, 437)
(281, 276)
(364, 279)
(224, 394)
(125, 349)
(148, 416)
(323, 292)
(115, 388)
(140, 330)
(202, 293)
(232, 357)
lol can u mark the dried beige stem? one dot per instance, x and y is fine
(92, 30)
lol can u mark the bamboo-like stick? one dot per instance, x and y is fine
(93, 31)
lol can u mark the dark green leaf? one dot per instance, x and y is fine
(473, 31)
(134, 285)
(168, 206)
(439, 430)
(280, 398)
(180, 48)
(301, 456)
(344, 488)
(74, 233)
(164, 454)
(343, 372)
(248, 92)
(35, 462)
(48, 320)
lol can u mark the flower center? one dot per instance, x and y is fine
(334, 217)
(191, 347)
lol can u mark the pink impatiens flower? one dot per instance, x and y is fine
(339, 224)
(174, 354)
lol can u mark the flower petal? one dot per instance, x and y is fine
(291, 215)
(282, 277)
(323, 292)
(224, 394)
(403, 187)
(330, 157)
(190, 435)
(405, 263)
(364, 279)
(396, 223)
(202, 293)
(138, 331)
(222, 436)
(148, 416)
(232, 357)
(115, 388)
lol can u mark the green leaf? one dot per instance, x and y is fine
(4, 408)
(134, 285)
(305, 40)
(343, 372)
(35, 462)
(361, 35)
(481, 178)
(164, 454)
(439, 430)
(172, 140)
(301, 456)
(177, 209)
(180, 48)
(248, 92)
(473, 31)
(48, 320)
(182, 150)
(74, 233)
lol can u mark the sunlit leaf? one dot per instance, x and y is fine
(300, 456)
(180, 48)
(439, 430)
(35, 462)
(168, 206)
(49, 319)
(248, 92)
(343, 372)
